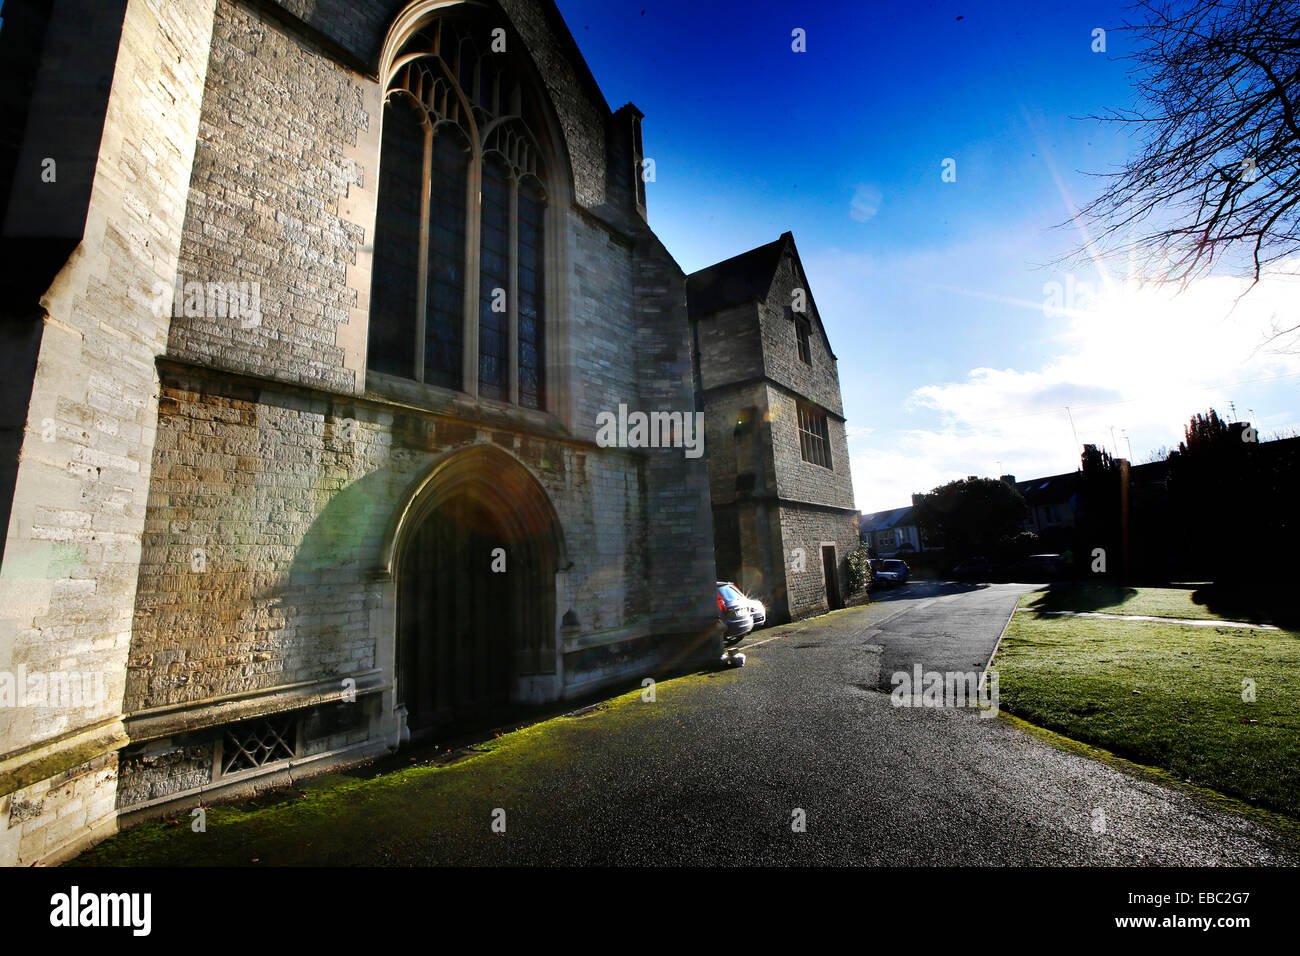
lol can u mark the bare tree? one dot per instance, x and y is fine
(1216, 179)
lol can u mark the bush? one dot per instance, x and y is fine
(859, 560)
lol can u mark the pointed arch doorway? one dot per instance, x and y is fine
(477, 552)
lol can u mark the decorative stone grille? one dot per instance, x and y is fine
(258, 742)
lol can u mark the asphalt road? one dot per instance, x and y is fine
(941, 626)
(714, 770)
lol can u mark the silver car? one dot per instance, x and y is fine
(737, 613)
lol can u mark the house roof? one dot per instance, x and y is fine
(742, 278)
(1054, 489)
(884, 520)
(746, 278)
(1152, 471)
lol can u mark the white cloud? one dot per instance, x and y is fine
(865, 203)
(1140, 360)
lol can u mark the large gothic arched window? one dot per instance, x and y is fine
(458, 292)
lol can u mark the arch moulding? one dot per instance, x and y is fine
(500, 479)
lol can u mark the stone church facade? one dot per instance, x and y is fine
(782, 494)
(306, 331)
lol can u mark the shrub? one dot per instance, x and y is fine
(859, 561)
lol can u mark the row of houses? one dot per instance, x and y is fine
(1052, 501)
(1145, 512)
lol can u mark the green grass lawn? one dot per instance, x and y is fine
(1164, 695)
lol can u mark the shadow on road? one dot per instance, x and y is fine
(923, 589)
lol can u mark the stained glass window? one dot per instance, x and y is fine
(532, 206)
(429, 136)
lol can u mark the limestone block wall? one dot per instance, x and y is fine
(257, 544)
(281, 200)
(359, 28)
(819, 381)
(731, 347)
(267, 516)
(732, 455)
(68, 581)
(802, 480)
(682, 568)
(207, 543)
(582, 110)
(807, 529)
(602, 324)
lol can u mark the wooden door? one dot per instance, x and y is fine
(455, 619)
(833, 601)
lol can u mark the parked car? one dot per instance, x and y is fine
(891, 572)
(735, 612)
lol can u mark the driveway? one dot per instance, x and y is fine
(718, 768)
(941, 626)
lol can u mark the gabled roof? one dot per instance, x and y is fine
(746, 278)
(1054, 489)
(742, 278)
(884, 520)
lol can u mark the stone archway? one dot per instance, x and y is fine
(474, 556)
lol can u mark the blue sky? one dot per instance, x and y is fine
(933, 293)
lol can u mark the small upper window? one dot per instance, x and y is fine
(803, 331)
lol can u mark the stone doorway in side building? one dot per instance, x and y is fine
(833, 600)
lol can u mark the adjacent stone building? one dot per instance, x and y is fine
(309, 311)
(779, 479)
